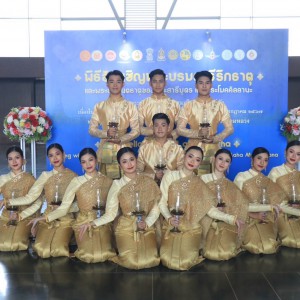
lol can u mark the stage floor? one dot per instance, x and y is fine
(247, 276)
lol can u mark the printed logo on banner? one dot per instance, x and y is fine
(149, 54)
(124, 54)
(185, 54)
(97, 55)
(110, 55)
(239, 54)
(85, 55)
(212, 55)
(227, 54)
(137, 55)
(161, 55)
(198, 54)
(173, 54)
(251, 54)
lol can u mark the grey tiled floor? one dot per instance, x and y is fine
(246, 277)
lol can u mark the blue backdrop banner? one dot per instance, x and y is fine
(250, 69)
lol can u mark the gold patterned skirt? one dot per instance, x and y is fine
(96, 244)
(221, 242)
(180, 251)
(137, 249)
(289, 231)
(261, 237)
(52, 239)
(13, 238)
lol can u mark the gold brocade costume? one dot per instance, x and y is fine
(149, 156)
(126, 115)
(96, 244)
(180, 251)
(15, 238)
(137, 249)
(192, 114)
(260, 237)
(151, 106)
(288, 224)
(52, 238)
(222, 242)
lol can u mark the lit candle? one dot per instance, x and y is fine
(160, 157)
(56, 193)
(137, 202)
(177, 202)
(219, 193)
(264, 198)
(98, 198)
(294, 192)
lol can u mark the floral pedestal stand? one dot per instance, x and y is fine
(28, 124)
(23, 147)
(33, 155)
(33, 158)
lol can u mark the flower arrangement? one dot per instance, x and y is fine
(30, 123)
(291, 125)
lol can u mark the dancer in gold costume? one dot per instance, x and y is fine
(160, 153)
(52, 237)
(222, 241)
(90, 191)
(264, 197)
(14, 232)
(114, 116)
(185, 194)
(288, 178)
(137, 196)
(203, 115)
(158, 102)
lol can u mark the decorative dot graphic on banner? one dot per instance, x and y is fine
(173, 54)
(110, 55)
(227, 54)
(97, 55)
(137, 55)
(85, 55)
(198, 54)
(124, 55)
(185, 54)
(239, 54)
(212, 55)
(161, 55)
(251, 54)
(149, 54)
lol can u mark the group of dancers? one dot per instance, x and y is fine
(159, 206)
(186, 219)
